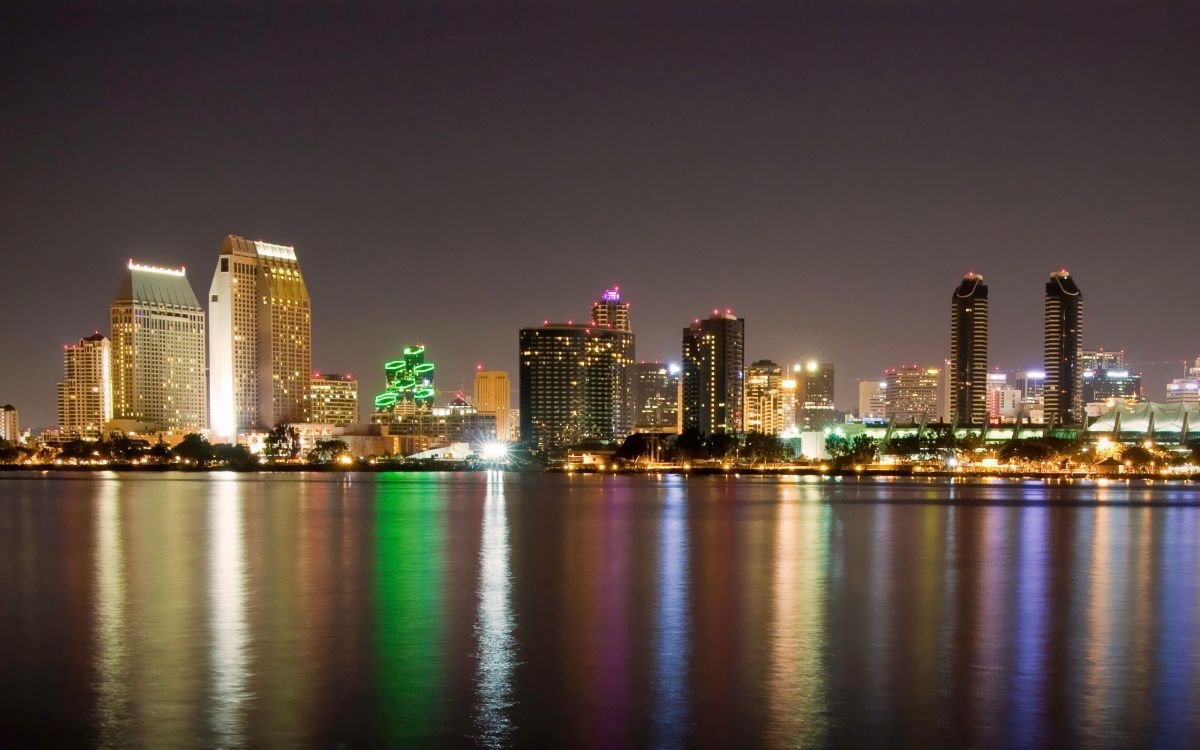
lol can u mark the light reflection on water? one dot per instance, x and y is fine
(497, 609)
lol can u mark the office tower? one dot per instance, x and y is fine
(997, 382)
(814, 394)
(333, 399)
(1108, 386)
(656, 397)
(260, 338)
(713, 352)
(872, 399)
(911, 393)
(492, 396)
(85, 394)
(1101, 359)
(157, 347)
(1063, 350)
(10, 426)
(969, 351)
(763, 397)
(611, 311)
(1185, 390)
(576, 384)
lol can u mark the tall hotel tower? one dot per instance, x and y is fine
(158, 351)
(969, 352)
(260, 338)
(611, 311)
(85, 393)
(713, 360)
(1063, 388)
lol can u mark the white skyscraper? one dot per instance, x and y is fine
(260, 338)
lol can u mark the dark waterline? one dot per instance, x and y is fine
(491, 609)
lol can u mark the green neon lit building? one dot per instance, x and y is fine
(409, 380)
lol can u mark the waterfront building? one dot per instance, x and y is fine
(1102, 388)
(611, 311)
(333, 399)
(969, 352)
(656, 397)
(713, 368)
(10, 424)
(911, 393)
(492, 396)
(815, 408)
(260, 340)
(872, 399)
(157, 352)
(576, 384)
(85, 403)
(763, 396)
(1063, 350)
(1185, 390)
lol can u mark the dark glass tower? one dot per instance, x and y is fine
(713, 368)
(969, 351)
(1063, 350)
(576, 384)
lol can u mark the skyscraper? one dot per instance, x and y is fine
(1102, 359)
(576, 383)
(260, 337)
(85, 394)
(10, 423)
(1063, 350)
(911, 394)
(872, 399)
(333, 399)
(158, 351)
(763, 399)
(656, 397)
(816, 409)
(610, 310)
(969, 352)
(492, 396)
(713, 361)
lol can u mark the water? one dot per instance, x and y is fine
(447, 610)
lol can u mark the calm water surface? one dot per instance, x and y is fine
(493, 609)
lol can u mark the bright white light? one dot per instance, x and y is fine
(345, 460)
(812, 365)
(674, 369)
(494, 451)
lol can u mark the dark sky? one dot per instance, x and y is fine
(454, 172)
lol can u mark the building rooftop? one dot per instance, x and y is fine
(156, 285)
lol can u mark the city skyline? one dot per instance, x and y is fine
(855, 198)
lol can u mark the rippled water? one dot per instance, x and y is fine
(492, 609)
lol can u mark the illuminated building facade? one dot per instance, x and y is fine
(815, 408)
(10, 423)
(763, 399)
(969, 352)
(157, 351)
(911, 394)
(333, 399)
(656, 397)
(1063, 347)
(408, 384)
(576, 384)
(611, 311)
(85, 393)
(872, 399)
(1107, 386)
(493, 396)
(1185, 390)
(260, 343)
(713, 369)
(1102, 359)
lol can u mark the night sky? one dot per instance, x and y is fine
(447, 176)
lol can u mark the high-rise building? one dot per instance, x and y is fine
(492, 396)
(1063, 350)
(762, 407)
(1102, 359)
(969, 351)
(85, 394)
(260, 342)
(1108, 386)
(656, 397)
(713, 361)
(10, 424)
(576, 384)
(815, 408)
(1185, 390)
(997, 383)
(158, 351)
(611, 311)
(911, 394)
(872, 399)
(333, 399)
